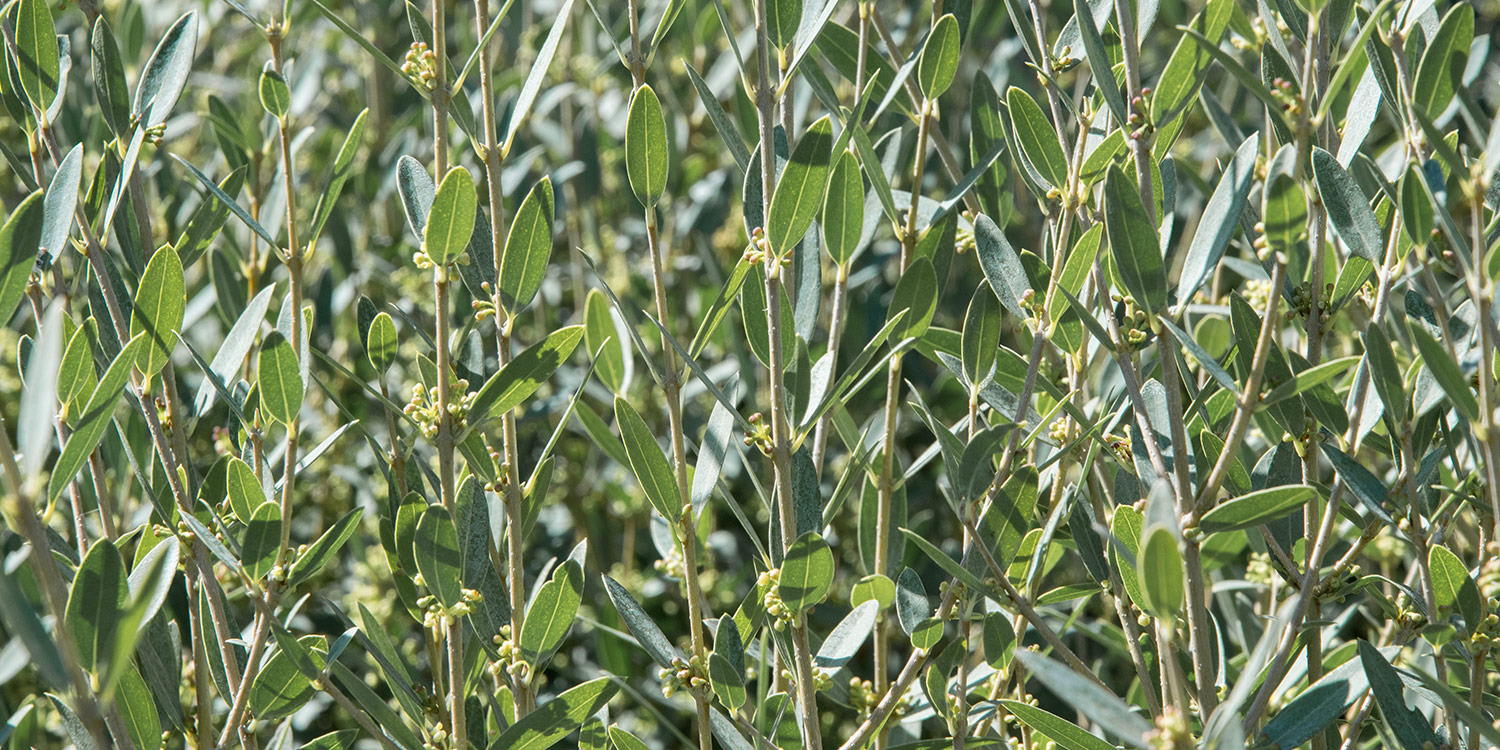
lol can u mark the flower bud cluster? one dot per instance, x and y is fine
(684, 674)
(510, 662)
(760, 437)
(1172, 731)
(420, 65)
(424, 408)
(769, 583)
(435, 615)
(1135, 324)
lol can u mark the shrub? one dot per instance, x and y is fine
(780, 373)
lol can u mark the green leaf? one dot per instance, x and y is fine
(1385, 373)
(846, 638)
(275, 95)
(645, 630)
(1066, 734)
(784, 16)
(310, 562)
(244, 489)
(1409, 726)
(261, 540)
(557, 718)
(527, 249)
(165, 74)
(981, 335)
(96, 603)
(1284, 213)
(279, 379)
(281, 688)
(623, 740)
(1445, 371)
(1348, 209)
(522, 376)
(1219, 222)
(1133, 243)
(1159, 568)
(806, 573)
(600, 336)
(800, 189)
(94, 419)
(646, 147)
(37, 59)
(1187, 68)
(1416, 210)
(999, 639)
(1255, 508)
(158, 309)
(1452, 586)
(915, 298)
(534, 77)
(450, 221)
(726, 666)
(19, 239)
(138, 711)
(1318, 706)
(381, 342)
(938, 61)
(1001, 265)
(648, 462)
(109, 77)
(75, 373)
(1100, 706)
(844, 209)
(551, 612)
(438, 557)
(1038, 138)
(343, 168)
(1440, 75)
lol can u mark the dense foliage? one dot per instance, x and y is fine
(749, 374)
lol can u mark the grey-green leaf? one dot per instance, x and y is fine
(160, 299)
(279, 378)
(806, 573)
(799, 191)
(450, 221)
(275, 95)
(1348, 210)
(20, 237)
(165, 74)
(96, 602)
(844, 209)
(1219, 221)
(557, 718)
(646, 147)
(1255, 508)
(648, 462)
(939, 58)
(552, 611)
(36, 44)
(1445, 371)
(1133, 243)
(527, 248)
(381, 342)
(438, 557)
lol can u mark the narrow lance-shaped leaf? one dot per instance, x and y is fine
(1159, 568)
(648, 462)
(1037, 136)
(19, 238)
(527, 248)
(96, 602)
(450, 221)
(165, 74)
(279, 378)
(36, 43)
(646, 147)
(939, 59)
(799, 191)
(844, 209)
(158, 309)
(438, 557)
(1133, 243)
(806, 573)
